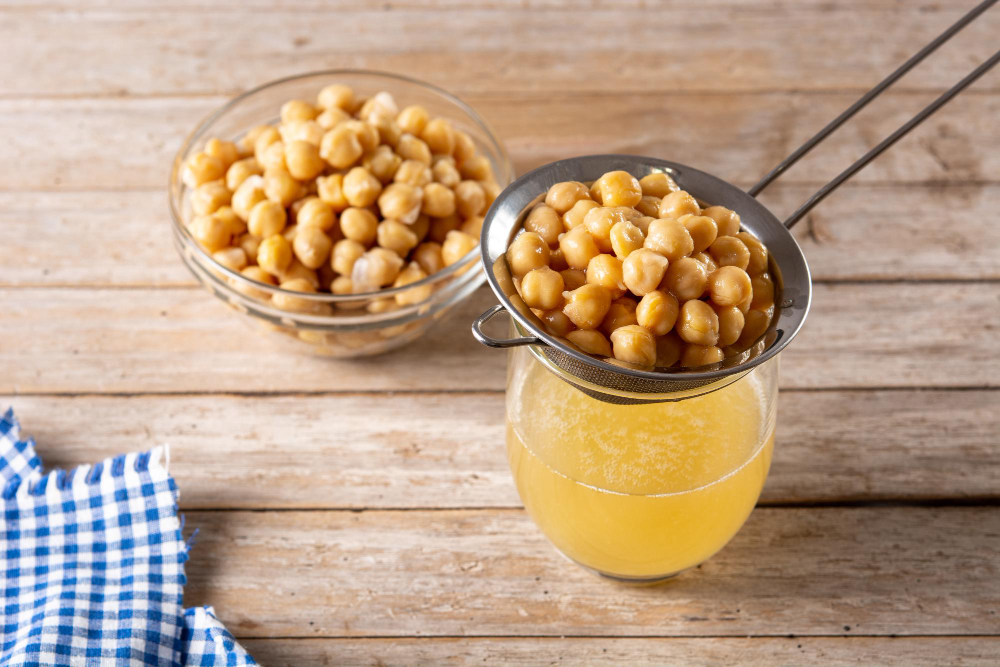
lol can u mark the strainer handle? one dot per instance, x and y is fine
(489, 341)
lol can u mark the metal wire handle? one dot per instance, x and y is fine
(903, 130)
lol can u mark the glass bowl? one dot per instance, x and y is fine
(351, 325)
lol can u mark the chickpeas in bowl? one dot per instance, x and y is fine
(341, 208)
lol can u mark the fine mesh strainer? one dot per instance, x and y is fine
(618, 382)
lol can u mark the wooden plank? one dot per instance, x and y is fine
(446, 450)
(182, 340)
(863, 232)
(638, 652)
(128, 143)
(870, 571)
(182, 49)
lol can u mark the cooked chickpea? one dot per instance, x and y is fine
(446, 173)
(289, 232)
(620, 188)
(634, 344)
(679, 203)
(428, 256)
(297, 304)
(754, 327)
(439, 136)
(728, 221)
(248, 195)
(669, 238)
(575, 216)
(396, 236)
(625, 238)
(413, 119)
(382, 163)
(249, 243)
(528, 251)
(556, 259)
(297, 110)
(401, 202)
(361, 188)
(273, 157)
(240, 171)
(297, 269)
(649, 206)
(380, 105)
(343, 285)
(599, 222)
(413, 172)
(201, 168)
(267, 218)
(590, 341)
(700, 355)
(312, 246)
(562, 196)
(340, 147)
(706, 259)
(389, 131)
(587, 305)
(331, 118)
(210, 232)
(441, 226)
(730, 324)
(225, 151)
(758, 253)
(345, 253)
(729, 285)
(657, 311)
(260, 275)
(473, 226)
(702, 229)
(620, 314)
(249, 139)
(303, 161)
(410, 147)
(336, 96)
(438, 200)
(643, 270)
(542, 288)
(309, 131)
(331, 190)
(274, 254)
(573, 278)
(376, 268)
(657, 185)
(281, 187)
(698, 323)
(209, 197)
(668, 350)
(763, 292)
(606, 270)
(359, 224)
(366, 133)
(578, 247)
(544, 221)
(556, 322)
(231, 220)
(729, 251)
(686, 279)
(411, 274)
(465, 150)
(265, 138)
(643, 222)
(456, 246)
(314, 212)
(476, 168)
(470, 199)
(421, 227)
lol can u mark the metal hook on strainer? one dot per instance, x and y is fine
(620, 383)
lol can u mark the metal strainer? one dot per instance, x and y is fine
(617, 382)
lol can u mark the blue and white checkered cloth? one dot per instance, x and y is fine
(93, 562)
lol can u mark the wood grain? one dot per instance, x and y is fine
(183, 340)
(447, 450)
(891, 570)
(182, 47)
(638, 652)
(96, 239)
(129, 143)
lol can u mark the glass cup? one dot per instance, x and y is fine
(638, 492)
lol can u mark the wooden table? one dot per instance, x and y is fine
(362, 512)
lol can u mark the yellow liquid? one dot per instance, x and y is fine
(637, 491)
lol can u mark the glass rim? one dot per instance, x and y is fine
(201, 129)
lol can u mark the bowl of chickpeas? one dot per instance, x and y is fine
(339, 209)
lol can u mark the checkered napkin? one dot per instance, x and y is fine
(93, 565)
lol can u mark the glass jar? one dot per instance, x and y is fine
(641, 491)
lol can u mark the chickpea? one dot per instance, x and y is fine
(247, 141)
(412, 148)
(361, 188)
(729, 285)
(297, 269)
(266, 219)
(376, 268)
(620, 188)
(421, 227)
(643, 222)
(606, 270)
(754, 327)
(730, 324)
(265, 138)
(470, 199)
(209, 197)
(230, 219)
(345, 253)
(438, 200)
(668, 350)
(414, 173)
(201, 168)
(297, 110)
(643, 270)
(542, 288)
(686, 279)
(411, 274)
(744, 305)
(396, 236)
(562, 196)
(289, 233)
(280, 187)
(473, 226)
(337, 96)
(625, 238)
(359, 224)
(758, 254)
(366, 133)
(413, 119)
(343, 285)
(619, 315)
(309, 131)
(331, 118)
(476, 168)
(303, 160)
(702, 229)
(441, 226)
(240, 171)
(698, 323)
(728, 221)
(587, 305)
(249, 243)
(527, 252)
(226, 151)
(762, 292)
(679, 203)
(340, 147)
(590, 341)
(312, 246)
(599, 222)
(545, 222)
(380, 105)
(557, 260)
(556, 322)
(260, 275)
(573, 278)
(401, 201)
(250, 192)
(575, 216)
(446, 173)
(634, 344)
(439, 136)
(706, 259)
(331, 190)
(456, 246)
(578, 247)
(297, 304)
(273, 157)
(382, 163)
(428, 256)
(388, 131)
(657, 311)
(595, 192)
(649, 206)
(657, 185)
(669, 238)
(701, 355)
(210, 232)
(465, 150)
(274, 254)
(314, 212)
(730, 251)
